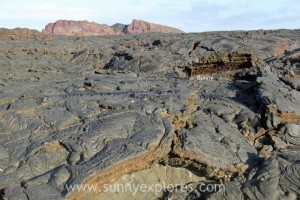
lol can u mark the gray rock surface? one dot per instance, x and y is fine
(90, 110)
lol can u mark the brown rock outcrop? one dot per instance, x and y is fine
(85, 28)
(78, 28)
(139, 26)
(20, 34)
(258, 32)
(225, 62)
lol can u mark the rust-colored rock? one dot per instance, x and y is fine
(85, 28)
(78, 28)
(139, 26)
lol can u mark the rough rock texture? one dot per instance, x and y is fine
(78, 28)
(162, 176)
(119, 27)
(20, 34)
(139, 26)
(85, 28)
(96, 110)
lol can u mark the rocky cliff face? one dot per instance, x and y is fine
(78, 28)
(139, 26)
(85, 28)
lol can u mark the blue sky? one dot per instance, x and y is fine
(188, 15)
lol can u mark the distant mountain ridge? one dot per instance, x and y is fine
(86, 28)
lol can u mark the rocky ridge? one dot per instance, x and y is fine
(20, 34)
(100, 110)
(85, 28)
(139, 26)
(78, 28)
